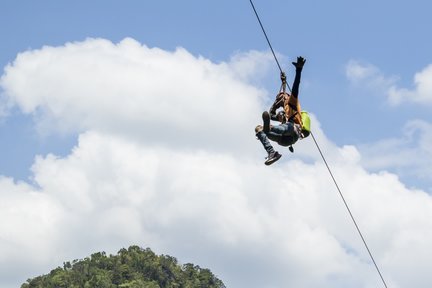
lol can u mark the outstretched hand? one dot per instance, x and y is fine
(300, 62)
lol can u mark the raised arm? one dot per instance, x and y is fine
(292, 105)
(299, 67)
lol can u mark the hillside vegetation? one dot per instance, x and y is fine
(132, 268)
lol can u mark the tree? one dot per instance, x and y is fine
(130, 268)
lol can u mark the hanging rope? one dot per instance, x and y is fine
(325, 162)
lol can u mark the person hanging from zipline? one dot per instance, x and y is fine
(294, 123)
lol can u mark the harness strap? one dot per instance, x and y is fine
(292, 117)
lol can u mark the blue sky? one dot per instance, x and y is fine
(85, 87)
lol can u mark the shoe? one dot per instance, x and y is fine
(266, 121)
(258, 129)
(273, 157)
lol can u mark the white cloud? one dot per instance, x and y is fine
(370, 76)
(409, 155)
(422, 92)
(178, 169)
(135, 90)
(213, 209)
(28, 230)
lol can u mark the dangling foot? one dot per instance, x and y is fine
(272, 157)
(266, 121)
(258, 129)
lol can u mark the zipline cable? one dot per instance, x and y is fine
(325, 161)
(268, 41)
(265, 34)
(349, 210)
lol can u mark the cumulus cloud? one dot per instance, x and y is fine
(420, 94)
(28, 230)
(166, 158)
(367, 74)
(138, 91)
(370, 76)
(213, 209)
(409, 155)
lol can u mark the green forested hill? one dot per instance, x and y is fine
(133, 268)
